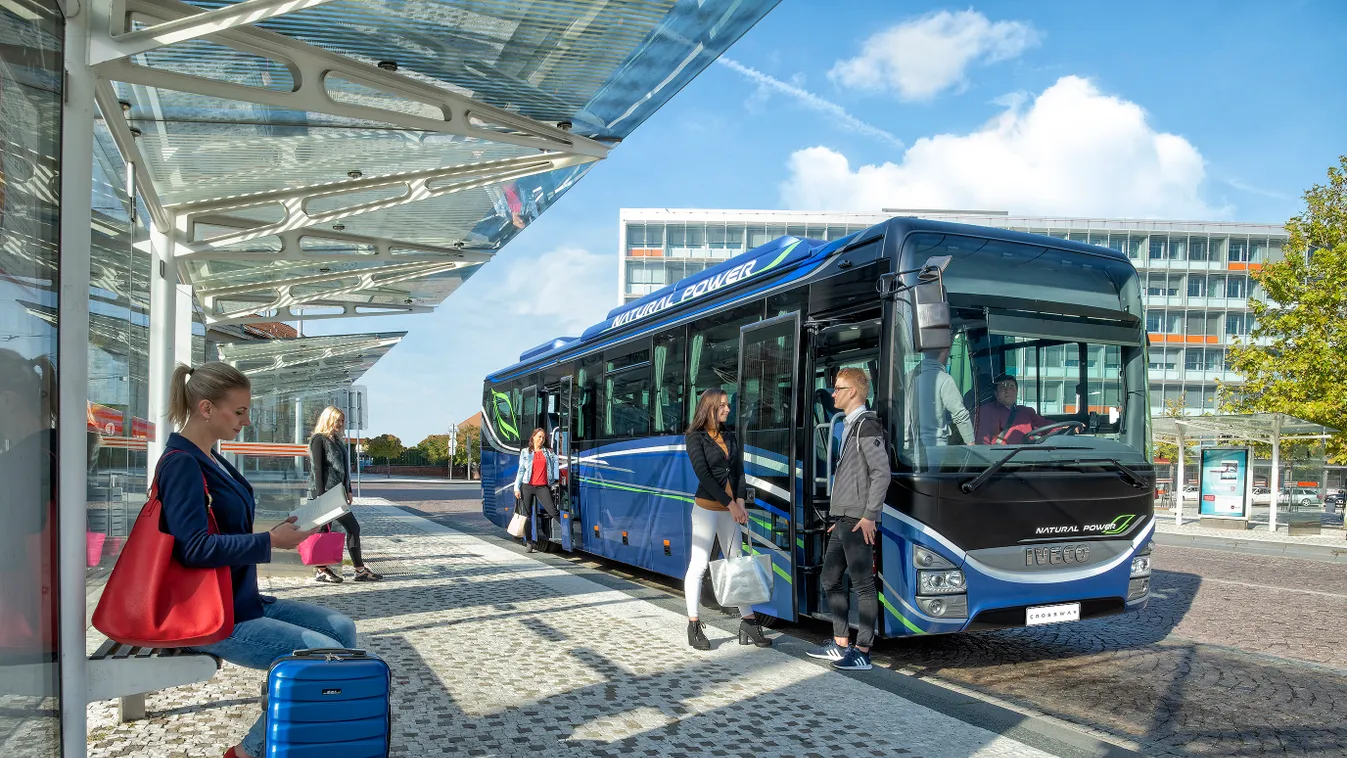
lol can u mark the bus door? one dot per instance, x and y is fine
(833, 348)
(766, 421)
(569, 523)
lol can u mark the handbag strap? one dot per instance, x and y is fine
(213, 527)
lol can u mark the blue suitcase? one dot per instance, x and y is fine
(328, 703)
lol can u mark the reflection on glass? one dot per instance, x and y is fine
(30, 95)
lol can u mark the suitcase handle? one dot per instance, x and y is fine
(321, 651)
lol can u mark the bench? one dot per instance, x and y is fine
(128, 673)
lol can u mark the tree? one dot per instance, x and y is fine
(386, 446)
(468, 437)
(1168, 450)
(1294, 362)
(435, 448)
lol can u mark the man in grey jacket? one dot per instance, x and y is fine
(935, 409)
(861, 482)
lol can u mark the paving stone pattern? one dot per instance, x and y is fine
(497, 654)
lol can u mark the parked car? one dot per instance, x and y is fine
(1304, 497)
(1261, 496)
(1190, 492)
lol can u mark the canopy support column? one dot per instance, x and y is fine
(1179, 480)
(77, 161)
(1274, 481)
(299, 437)
(163, 337)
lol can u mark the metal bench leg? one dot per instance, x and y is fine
(131, 708)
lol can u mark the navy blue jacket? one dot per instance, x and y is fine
(184, 502)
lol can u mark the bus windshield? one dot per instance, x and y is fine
(1056, 385)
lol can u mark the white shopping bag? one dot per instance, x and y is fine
(742, 581)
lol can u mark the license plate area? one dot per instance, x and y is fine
(1051, 614)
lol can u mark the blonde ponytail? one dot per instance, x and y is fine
(209, 381)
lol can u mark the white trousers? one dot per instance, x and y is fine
(706, 526)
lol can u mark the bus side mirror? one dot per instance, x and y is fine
(931, 311)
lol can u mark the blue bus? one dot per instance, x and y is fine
(1050, 524)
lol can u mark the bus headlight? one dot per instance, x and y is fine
(940, 582)
(1141, 566)
(929, 559)
(955, 606)
(1138, 588)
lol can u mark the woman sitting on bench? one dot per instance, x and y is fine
(210, 404)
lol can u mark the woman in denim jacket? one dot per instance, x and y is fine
(538, 473)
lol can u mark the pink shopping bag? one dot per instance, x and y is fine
(93, 546)
(322, 549)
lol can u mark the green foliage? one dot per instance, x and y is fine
(469, 438)
(1168, 450)
(435, 448)
(1303, 322)
(383, 446)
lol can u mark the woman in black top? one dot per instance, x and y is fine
(718, 509)
(331, 469)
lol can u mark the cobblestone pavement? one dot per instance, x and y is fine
(496, 653)
(1236, 655)
(1331, 533)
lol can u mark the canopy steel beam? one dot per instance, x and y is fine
(292, 248)
(415, 187)
(312, 67)
(287, 313)
(374, 277)
(120, 41)
(125, 139)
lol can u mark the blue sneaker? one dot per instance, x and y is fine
(855, 660)
(829, 652)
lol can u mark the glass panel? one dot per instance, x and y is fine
(1197, 248)
(713, 354)
(1238, 250)
(669, 402)
(627, 387)
(30, 108)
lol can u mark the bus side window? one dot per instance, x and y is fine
(713, 355)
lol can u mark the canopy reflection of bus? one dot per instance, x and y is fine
(1053, 527)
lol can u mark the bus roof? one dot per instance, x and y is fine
(768, 262)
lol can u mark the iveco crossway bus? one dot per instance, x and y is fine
(979, 530)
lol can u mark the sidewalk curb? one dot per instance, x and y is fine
(1325, 553)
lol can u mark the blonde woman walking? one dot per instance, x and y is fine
(331, 468)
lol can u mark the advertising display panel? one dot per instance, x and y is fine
(1223, 483)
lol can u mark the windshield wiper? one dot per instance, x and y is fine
(1132, 477)
(982, 478)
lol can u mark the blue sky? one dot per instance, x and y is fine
(1211, 110)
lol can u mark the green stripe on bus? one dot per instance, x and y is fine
(781, 257)
(634, 488)
(911, 627)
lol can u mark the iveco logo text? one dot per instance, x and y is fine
(1056, 556)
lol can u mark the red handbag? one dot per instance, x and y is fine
(152, 600)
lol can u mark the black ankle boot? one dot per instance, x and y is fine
(750, 633)
(696, 637)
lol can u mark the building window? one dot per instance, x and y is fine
(1197, 249)
(1158, 248)
(1216, 285)
(1178, 248)
(1193, 358)
(1155, 322)
(1236, 286)
(1197, 285)
(1238, 251)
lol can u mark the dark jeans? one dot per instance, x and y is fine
(848, 555)
(352, 529)
(542, 496)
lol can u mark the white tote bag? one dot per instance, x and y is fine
(516, 527)
(742, 581)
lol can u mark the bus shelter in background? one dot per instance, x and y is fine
(293, 381)
(1270, 429)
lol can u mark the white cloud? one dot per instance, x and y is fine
(767, 84)
(1072, 150)
(568, 288)
(923, 57)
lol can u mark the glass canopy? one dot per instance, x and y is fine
(317, 155)
(308, 365)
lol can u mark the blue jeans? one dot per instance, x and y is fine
(288, 625)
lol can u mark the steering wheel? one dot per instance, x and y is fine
(1035, 436)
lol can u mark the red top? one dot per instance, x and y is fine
(996, 427)
(539, 478)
